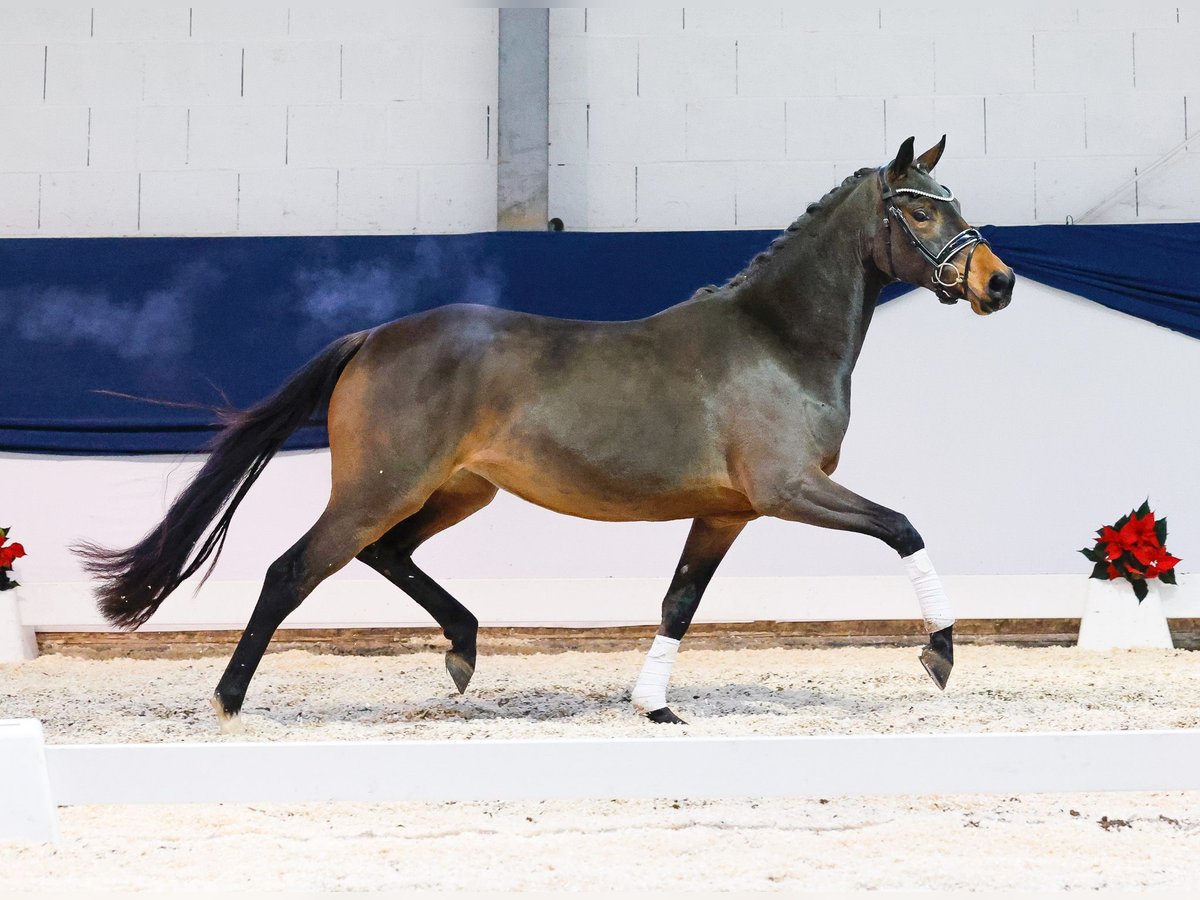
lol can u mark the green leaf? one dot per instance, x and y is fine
(1092, 553)
(1120, 523)
(1167, 577)
(1100, 571)
(3, 534)
(1144, 508)
(1160, 531)
(1140, 590)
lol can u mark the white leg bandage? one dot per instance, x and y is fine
(650, 692)
(935, 605)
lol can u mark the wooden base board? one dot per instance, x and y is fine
(389, 641)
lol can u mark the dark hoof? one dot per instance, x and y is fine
(460, 670)
(938, 656)
(664, 716)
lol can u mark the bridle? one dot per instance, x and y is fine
(945, 274)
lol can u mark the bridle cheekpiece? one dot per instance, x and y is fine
(945, 274)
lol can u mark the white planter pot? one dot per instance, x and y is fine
(17, 640)
(1113, 618)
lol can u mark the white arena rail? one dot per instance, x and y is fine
(670, 767)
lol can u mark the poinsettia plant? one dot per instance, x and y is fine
(1133, 548)
(8, 553)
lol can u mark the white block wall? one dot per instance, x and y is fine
(164, 118)
(737, 117)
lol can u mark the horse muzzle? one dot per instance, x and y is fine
(999, 291)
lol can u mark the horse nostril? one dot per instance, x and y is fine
(1000, 285)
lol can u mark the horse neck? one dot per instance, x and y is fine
(819, 289)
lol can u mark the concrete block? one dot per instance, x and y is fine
(733, 20)
(460, 69)
(636, 20)
(855, 17)
(686, 67)
(378, 201)
(1036, 126)
(145, 21)
(1166, 59)
(848, 128)
(979, 23)
(457, 198)
(866, 64)
(593, 197)
(929, 117)
(133, 138)
(43, 138)
(19, 194)
(1134, 122)
(338, 136)
(791, 65)
(1079, 61)
(353, 20)
(190, 202)
(94, 73)
(686, 196)
(237, 137)
(735, 129)
(992, 191)
(293, 72)
(236, 20)
(22, 73)
(288, 201)
(87, 204)
(1070, 187)
(567, 20)
(773, 194)
(192, 73)
(636, 131)
(379, 71)
(1119, 14)
(43, 23)
(1168, 194)
(1001, 64)
(593, 68)
(439, 133)
(568, 127)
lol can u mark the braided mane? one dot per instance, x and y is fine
(814, 212)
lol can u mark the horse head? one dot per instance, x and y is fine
(925, 241)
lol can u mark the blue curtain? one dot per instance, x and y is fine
(209, 321)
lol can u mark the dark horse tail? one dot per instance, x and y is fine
(134, 582)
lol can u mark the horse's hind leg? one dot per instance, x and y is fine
(707, 544)
(465, 493)
(343, 529)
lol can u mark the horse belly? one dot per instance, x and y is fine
(630, 483)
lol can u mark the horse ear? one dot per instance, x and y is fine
(930, 157)
(903, 160)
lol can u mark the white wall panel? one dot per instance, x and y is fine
(90, 203)
(288, 201)
(198, 202)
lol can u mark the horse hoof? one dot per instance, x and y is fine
(664, 716)
(938, 656)
(460, 670)
(229, 723)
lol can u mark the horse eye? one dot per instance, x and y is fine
(920, 215)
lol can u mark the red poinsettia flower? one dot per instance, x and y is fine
(1163, 562)
(9, 553)
(1113, 572)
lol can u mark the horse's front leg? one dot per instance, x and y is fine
(817, 500)
(707, 543)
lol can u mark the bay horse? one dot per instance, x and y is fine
(726, 407)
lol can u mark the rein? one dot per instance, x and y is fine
(968, 239)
